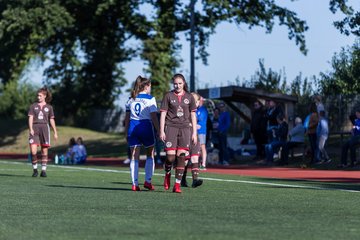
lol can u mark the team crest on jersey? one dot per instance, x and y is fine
(31, 141)
(186, 101)
(46, 109)
(168, 144)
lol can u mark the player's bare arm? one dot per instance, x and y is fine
(53, 126)
(162, 125)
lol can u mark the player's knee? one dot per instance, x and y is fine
(170, 159)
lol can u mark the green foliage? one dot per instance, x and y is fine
(345, 74)
(87, 41)
(159, 49)
(15, 99)
(269, 81)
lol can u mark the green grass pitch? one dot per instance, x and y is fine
(97, 203)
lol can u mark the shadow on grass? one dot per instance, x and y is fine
(351, 184)
(12, 175)
(94, 188)
(99, 148)
(9, 131)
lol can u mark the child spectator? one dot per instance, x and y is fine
(79, 151)
(69, 155)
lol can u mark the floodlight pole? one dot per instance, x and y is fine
(192, 46)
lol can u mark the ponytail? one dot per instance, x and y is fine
(139, 85)
(44, 90)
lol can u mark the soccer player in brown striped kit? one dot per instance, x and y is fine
(177, 111)
(41, 114)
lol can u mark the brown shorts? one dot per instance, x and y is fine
(41, 135)
(177, 138)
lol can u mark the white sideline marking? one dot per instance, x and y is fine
(204, 178)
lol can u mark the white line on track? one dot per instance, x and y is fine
(204, 178)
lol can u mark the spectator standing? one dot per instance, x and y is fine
(177, 114)
(224, 125)
(311, 131)
(214, 128)
(202, 116)
(351, 143)
(40, 115)
(296, 138)
(140, 121)
(322, 133)
(319, 104)
(272, 111)
(279, 139)
(258, 129)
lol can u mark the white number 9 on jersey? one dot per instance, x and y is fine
(137, 109)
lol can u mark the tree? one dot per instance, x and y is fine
(86, 41)
(269, 81)
(159, 49)
(351, 23)
(345, 74)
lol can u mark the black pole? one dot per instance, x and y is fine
(192, 47)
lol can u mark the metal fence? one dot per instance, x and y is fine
(339, 108)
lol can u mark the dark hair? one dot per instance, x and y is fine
(179, 75)
(280, 116)
(46, 92)
(139, 86)
(72, 142)
(313, 107)
(80, 140)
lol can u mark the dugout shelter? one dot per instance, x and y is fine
(232, 95)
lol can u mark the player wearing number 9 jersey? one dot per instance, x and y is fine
(140, 120)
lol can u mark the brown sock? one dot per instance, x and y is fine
(195, 170)
(180, 166)
(170, 159)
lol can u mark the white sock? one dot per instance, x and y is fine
(43, 167)
(134, 171)
(149, 169)
(35, 166)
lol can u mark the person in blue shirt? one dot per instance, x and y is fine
(224, 125)
(79, 151)
(296, 138)
(279, 139)
(352, 143)
(202, 116)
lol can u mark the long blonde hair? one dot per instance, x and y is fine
(139, 85)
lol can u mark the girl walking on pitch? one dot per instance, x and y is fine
(193, 157)
(141, 116)
(41, 114)
(177, 112)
